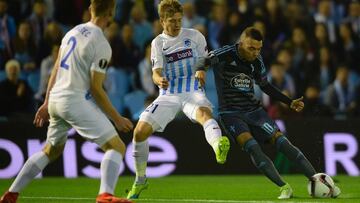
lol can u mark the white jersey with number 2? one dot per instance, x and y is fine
(83, 49)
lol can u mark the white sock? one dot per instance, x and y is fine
(109, 170)
(32, 167)
(141, 155)
(212, 131)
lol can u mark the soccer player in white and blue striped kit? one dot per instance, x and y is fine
(174, 54)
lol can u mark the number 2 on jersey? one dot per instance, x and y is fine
(63, 64)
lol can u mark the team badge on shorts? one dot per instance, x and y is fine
(103, 63)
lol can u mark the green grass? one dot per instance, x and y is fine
(216, 189)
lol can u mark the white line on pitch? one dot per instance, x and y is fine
(165, 200)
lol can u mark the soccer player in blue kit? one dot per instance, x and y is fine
(236, 68)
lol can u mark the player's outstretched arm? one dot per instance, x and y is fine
(42, 114)
(103, 101)
(158, 79)
(274, 92)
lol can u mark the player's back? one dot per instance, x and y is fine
(77, 52)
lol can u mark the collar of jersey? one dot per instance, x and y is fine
(93, 25)
(170, 37)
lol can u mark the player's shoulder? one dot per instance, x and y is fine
(227, 49)
(158, 41)
(158, 38)
(191, 33)
(87, 31)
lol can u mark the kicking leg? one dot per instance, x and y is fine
(264, 164)
(259, 158)
(219, 143)
(294, 154)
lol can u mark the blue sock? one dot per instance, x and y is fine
(262, 162)
(295, 155)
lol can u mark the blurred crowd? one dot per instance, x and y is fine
(311, 49)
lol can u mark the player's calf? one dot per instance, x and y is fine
(263, 162)
(295, 155)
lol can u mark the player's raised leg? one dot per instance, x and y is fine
(114, 152)
(213, 135)
(141, 153)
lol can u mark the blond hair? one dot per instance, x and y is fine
(168, 8)
(12, 63)
(101, 8)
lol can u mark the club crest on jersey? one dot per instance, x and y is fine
(187, 42)
(242, 82)
(103, 63)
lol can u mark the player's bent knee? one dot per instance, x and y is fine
(142, 131)
(203, 114)
(243, 138)
(53, 152)
(275, 137)
(115, 143)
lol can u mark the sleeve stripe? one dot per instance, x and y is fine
(222, 50)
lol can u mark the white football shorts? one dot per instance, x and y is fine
(84, 116)
(165, 107)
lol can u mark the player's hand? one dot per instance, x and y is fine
(201, 76)
(162, 82)
(297, 104)
(123, 124)
(41, 116)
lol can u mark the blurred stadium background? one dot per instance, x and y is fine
(311, 49)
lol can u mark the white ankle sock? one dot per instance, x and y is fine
(141, 154)
(109, 168)
(32, 167)
(212, 131)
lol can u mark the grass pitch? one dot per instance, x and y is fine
(181, 189)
